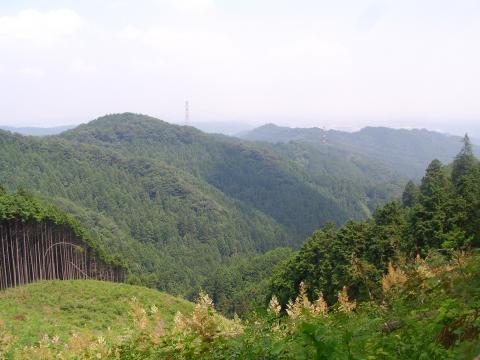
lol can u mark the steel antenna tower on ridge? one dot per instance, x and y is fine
(324, 135)
(187, 113)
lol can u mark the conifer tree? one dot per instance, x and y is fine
(410, 194)
(464, 162)
(430, 216)
(466, 179)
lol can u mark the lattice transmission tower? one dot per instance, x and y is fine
(187, 113)
(324, 135)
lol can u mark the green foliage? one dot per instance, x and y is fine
(188, 208)
(432, 314)
(242, 285)
(359, 184)
(464, 161)
(178, 203)
(465, 175)
(442, 213)
(166, 222)
(410, 194)
(355, 255)
(260, 177)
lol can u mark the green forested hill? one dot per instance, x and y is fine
(254, 175)
(163, 220)
(406, 152)
(177, 202)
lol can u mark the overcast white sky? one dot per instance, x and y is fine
(343, 63)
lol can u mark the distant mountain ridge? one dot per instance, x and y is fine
(408, 151)
(37, 131)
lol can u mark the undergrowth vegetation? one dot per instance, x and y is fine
(429, 310)
(59, 308)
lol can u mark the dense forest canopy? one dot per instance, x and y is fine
(259, 177)
(177, 203)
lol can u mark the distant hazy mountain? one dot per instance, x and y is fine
(406, 152)
(37, 131)
(226, 128)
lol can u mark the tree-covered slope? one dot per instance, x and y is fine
(177, 202)
(162, 219)
(357, 183)
(406, 152)
(442, 214)
(256, 176)
(242, 285)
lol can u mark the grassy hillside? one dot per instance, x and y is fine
(57, 308)
(427, 309)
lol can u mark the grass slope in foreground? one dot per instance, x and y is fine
(57, 308)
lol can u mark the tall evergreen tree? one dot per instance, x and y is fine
(410, 194)
(466, 178)
(433, 184)
(429, 217)
(464, 162)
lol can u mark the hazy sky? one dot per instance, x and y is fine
(297, 62)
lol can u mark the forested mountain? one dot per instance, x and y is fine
(243, 285)
(190, 210)
(177, 202)
(251, 174)
(406, 152)
(163, 220)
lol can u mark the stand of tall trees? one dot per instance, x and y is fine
(39, 242)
